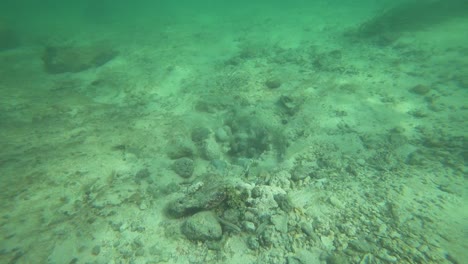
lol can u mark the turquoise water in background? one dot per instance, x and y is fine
(293, 132)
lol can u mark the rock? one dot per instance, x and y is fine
(420, 89)
(308, 256)
(142, 175)
(223, 134)
(307, 229)
(337, 258)
(249, 226)
(75, 59)
(199, 134)
(210, 150)
(206, 197)
(284, 202)
(361, 245)
(96, 250)
(220, 165)
(273, 83)
(280, 222)
(202, 226)
(183, 167)
(252, 243)
(336, 202)
(300, 173)
(232, 215)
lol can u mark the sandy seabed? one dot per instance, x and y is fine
(322, 148)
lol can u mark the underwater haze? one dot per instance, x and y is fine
(253, 132)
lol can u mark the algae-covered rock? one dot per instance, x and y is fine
(202, 226)
(76, 59)
(183, 167)
(206, 197)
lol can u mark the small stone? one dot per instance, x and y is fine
(307, 229)
(96, 250)
(273, 83)
(202, 226)
(336, 202)
(420, 89)
(223, 134)
(123, 227)
(249, 226)
(252, 243)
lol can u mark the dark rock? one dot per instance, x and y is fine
(273, 83)
(199, 134)
(420, 89)
(202, 226)
(252, 243)
(207, 197)
(284, 202)
(96, 250)
(183, 167)
(142, 175)
(300, 173)
(75, 59)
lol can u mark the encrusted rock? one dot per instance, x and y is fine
(183, 167)
(210, 149)
(300, 173)
(206, 197)
(202, 226)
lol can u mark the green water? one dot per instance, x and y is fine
(293, 132)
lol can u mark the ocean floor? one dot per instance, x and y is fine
(236, 139)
